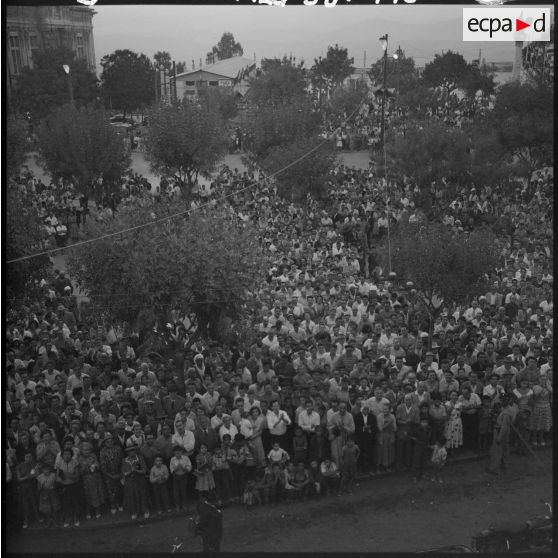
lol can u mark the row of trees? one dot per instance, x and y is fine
(126, 83)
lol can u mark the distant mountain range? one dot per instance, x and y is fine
(421, 41)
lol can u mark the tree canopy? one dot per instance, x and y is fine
(127, 80)
(24, 235)
(45, 87)
(279, 125)
(445, 267)
(207, 262)
(447, 70)
(227, 47)
(334, 68)
(17, 143)
(184, 141)
(80, 144)
(401, 73)
(429, 152)
(310, 175)
(162, 60)
(279, 82)
(523, 120)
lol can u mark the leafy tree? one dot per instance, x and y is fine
(401, 73)
(17, 144)
(310, 175)
(45, 87)
(206, 262)
(180, 67)
(127, 80)
(447, 70)
(279, 125)
(418, 99)
(445, 267)
(523, 120)
(478, 79)
(429, 152)
(278, 82)
(82, 146)
(184, 141)
(219, 99)
(345, 100)
(334, 68)
(227, 47)
(24, 235)
(162, 60)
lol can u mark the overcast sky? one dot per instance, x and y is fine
(189, 32)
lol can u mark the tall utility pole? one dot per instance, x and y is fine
(384, 42)
(175, 96)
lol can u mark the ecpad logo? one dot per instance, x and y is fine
(506, 24)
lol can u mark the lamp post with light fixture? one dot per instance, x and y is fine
(384, 43)
(70, 86)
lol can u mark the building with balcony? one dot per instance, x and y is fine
(29, 29)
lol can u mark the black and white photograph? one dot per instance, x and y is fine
(278, 277)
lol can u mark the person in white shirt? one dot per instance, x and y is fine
(277, 421)
(377, 402)
(227, 428)
(309, 419)
(184, 438)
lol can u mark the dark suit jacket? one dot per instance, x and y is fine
(211, 439)
(360, 422)
(171, 409)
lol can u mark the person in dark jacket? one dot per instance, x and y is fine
(210, 525)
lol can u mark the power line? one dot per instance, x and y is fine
(186, 212)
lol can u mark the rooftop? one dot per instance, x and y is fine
(229, 67)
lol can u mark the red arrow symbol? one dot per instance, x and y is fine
(519, 25)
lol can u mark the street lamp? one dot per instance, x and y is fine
(70, 86)
(384, 43)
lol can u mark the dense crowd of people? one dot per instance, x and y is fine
(340, 378)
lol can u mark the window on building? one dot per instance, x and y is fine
(214, 83)
(15, 53)
(190, 83)
(80, 47)
(190, 92)
(33, 44)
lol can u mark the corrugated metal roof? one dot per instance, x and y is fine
(228, 68)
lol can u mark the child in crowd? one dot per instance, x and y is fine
(204, 474)
(49, 503)
(301, 480)
(277, 455)
(300, 446)
(486, 421)
(251, 495)
(421, 435)
(158, 477)
(26, 475)
(330, 476)
(351, 453)
(315, 477)
(439, 456)
(180, 465)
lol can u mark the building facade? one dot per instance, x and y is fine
(30, 29)
(231, 73)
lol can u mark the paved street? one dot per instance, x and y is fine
(358, 159)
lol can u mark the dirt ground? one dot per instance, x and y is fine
(383, 515)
